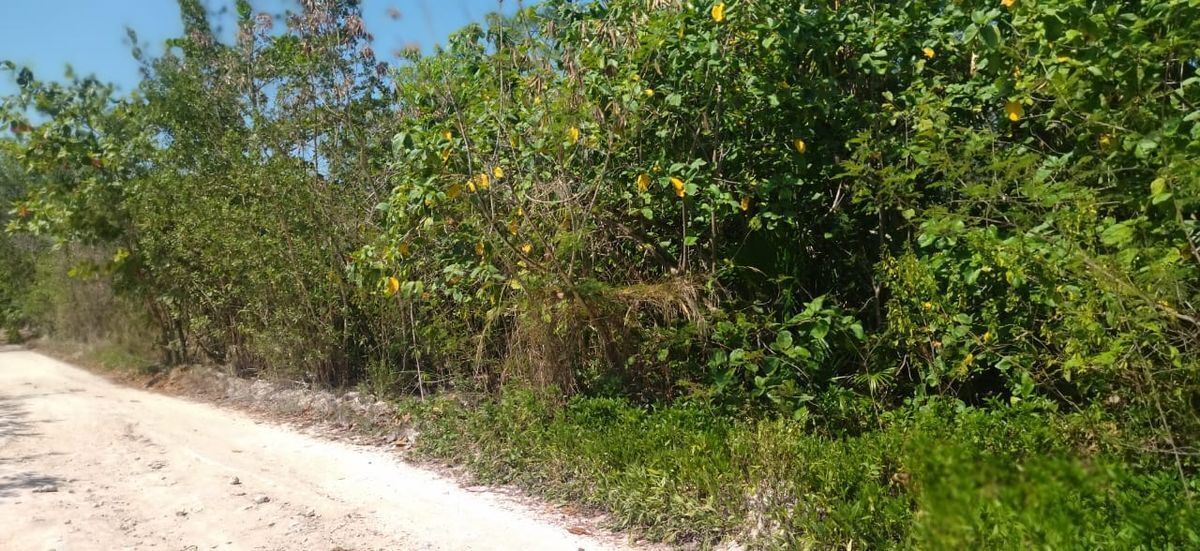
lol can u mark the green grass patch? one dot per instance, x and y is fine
(932, 477)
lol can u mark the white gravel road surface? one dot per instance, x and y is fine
(88, 464)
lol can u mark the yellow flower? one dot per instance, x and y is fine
(680, 190)
(512, 227)
(520, 211)
(1008, 3)
(1014, 110)
(573, 135)
(393, 285)
(479, 248)
(928, 52)
(643, 182)
(498, 172)
(471, 185)
(649, 92)
(1106, 140)
(927, 306)
(745, 204)
(453, 191)
(484, 181)
(718, 12)
(963, 367)
(800, 145)
(987, 337)
(448, 135)
(526, 248)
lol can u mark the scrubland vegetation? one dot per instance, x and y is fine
(832, 274)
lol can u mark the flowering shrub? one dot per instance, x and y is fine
(829, 212)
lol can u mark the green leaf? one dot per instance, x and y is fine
(1144, 147)
(783, 341)
(1117, 235)
(820, 330)
(991, 35)
(1158, 186)
(1158, 191)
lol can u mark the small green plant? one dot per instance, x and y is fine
(783, 364)
(380, 380)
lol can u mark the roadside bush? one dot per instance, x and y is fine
(795, 208)
(16, 272)
(15, 275)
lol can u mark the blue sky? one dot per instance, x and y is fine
(46, 35)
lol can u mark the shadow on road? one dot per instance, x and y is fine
(18, 459)
(11, 485)
(14, 419)
(15, 423)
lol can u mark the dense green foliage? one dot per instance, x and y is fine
(757, 242)
(16, 272)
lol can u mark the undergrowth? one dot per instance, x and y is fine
(932, 476)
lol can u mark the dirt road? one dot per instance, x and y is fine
(87, 464)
